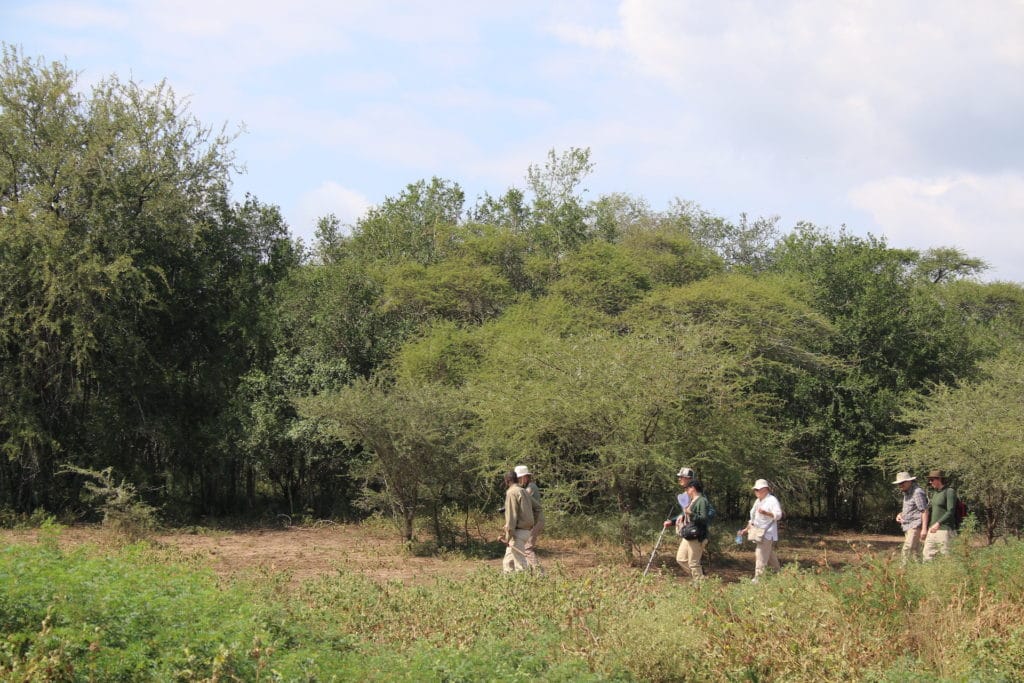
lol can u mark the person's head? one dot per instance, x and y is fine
(694, 488)
(937, 479)
(510, 479)
(685, 476)
(523, 474)
(905, 481)
(761, 488)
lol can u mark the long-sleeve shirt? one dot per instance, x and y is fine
(519, 508)
(697, 512)
(770, 524)
(914, 503)
(943, 509)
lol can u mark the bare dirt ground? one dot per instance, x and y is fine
(304, 553)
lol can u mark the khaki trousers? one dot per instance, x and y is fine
(689, 556)
(515, 553)
(911, 545)
(764, 556)
(937, 543)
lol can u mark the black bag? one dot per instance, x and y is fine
(689, 532)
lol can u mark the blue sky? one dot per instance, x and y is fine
(899, 118)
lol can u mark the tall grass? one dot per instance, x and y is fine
(130, 614)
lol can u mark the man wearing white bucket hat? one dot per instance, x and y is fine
(915, 502)
(763, 527)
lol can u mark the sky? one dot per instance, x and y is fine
(899, 118)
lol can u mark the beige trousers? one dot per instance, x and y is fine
(911, 545)
(515, 552)
(937, 543)
(689, 556)
(764, 556)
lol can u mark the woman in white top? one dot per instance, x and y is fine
(763, 527)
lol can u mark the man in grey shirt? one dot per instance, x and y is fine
(915, 502)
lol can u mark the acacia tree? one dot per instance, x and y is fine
(608, 417)
(974, 431)
(410, 434)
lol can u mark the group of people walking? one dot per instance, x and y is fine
(762, 526)
(929, 524)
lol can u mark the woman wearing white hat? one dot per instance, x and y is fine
(763, 527)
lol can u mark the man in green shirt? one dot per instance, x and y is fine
(938, 522)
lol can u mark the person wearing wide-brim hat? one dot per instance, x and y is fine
(763, 527)
(915, 506)
(938, 523)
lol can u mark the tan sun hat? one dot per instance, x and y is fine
(761, 484)
(904, 476)
(523, 471)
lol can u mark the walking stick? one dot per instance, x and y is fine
(655, 551)
(679, 501)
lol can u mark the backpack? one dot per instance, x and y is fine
(711, 512)
(961, 512)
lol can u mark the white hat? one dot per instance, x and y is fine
(761, 484)
(685, 472)
(904, 476)
(522, 471)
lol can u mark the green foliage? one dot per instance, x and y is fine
(119, 502)
(411, 227)
(411, 432)
(130, 288)
(132, 615)
(973, 430)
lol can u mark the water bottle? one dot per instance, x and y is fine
(739, 538)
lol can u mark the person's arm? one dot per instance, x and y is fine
(699, 511)
(511, 514)
(770, 508)
(925, 514)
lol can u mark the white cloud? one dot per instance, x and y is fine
(327, 198)
(982, 215)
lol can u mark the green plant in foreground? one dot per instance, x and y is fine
(132, 614)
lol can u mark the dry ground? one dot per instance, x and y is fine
(309, 552)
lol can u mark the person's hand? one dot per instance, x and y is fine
(899, 517)
(742, 531)
(668, 523)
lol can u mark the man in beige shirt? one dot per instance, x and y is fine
(525, 478)
(519, 521)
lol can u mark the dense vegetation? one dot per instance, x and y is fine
(154, 330)
(134, 615)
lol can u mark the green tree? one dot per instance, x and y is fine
(414, 226)
(411, 434)
(129, 286)
(974, 430)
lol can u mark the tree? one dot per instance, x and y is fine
(974, 430)
(410, 433)
(895, 336)
(129, 286)
(414, 226)
(559, 215)
(607, 417)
